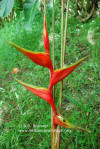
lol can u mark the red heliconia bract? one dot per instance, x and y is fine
(40, 92)
(45, 36)
(39, 58)
(60, 74)
(59, 120)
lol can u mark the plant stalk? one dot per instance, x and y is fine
(66, 27)
(45, 7)
(63, 49)
(53, 91)
(58, 129)
(62, 34)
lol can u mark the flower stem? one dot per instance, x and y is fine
(53, 91)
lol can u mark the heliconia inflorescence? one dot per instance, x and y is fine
(43, 59)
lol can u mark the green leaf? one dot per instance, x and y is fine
(30, 7)
(6, 7)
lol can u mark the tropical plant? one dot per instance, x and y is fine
(56, 75)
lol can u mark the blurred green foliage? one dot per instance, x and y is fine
(6, 7)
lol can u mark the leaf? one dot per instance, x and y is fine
(30, 9)
(39, 58)
(40, 92)
(45, 36)
(60, 74)
(59, 120)
(6, 7)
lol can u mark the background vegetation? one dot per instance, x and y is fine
(24, 118)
